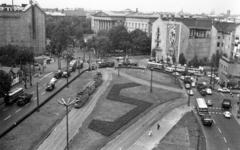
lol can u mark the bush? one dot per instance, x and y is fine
(107, 128)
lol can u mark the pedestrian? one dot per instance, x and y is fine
(150, 133)
(158, 126)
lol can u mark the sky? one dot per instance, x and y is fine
(190, 6)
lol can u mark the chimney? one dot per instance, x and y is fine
(136, 10)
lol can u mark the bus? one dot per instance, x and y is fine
(13, 95)
(201, 107)
(155, 65)
(193, 70)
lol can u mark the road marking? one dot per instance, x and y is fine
(32, 92)
(35, 98)
(7, 117)
(225, 139)
(219, 130)
(18, 110)
(5, 109)
(43, 93)
(214, 121)
(27, 104)
(46, 76)
(39, 88)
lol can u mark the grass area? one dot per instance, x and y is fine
(28, 134)
(108, 110)
(106, 127)
(185, 135)
(157, 77)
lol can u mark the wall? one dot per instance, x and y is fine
(214, 39)
(16, 29)
(198, 47)
(184, 40)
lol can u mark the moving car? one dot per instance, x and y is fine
(209, 91)
(209, 102)
(193, 84)
(224, 90)
(227, 114)
(24, 99)
(72, 68)
(187, 86)
(50, 86)
(53, 80)
(226, 104)
(58, 74)
(207, 119)
(203, 92)
(190, 92)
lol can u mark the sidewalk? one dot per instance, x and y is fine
(166, 123)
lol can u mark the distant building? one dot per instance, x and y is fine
(192, 37)
(105, 20)
(24, 26)
(76, 13)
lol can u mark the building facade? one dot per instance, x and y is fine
(26, 27)
(105, 20)
(192, 37)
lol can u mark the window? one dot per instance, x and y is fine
(219, 36)
(218, 44)
(135, 25)
(222, 44)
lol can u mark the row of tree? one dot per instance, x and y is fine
(118, 39)
(196, 62)
(13, 56)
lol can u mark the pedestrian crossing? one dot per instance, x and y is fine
(215, 108)
(217, 113)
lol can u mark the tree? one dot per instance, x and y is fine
(195, 61)
(182, 59)
(102, 44)
(5, 83)
(140, 41)
(118, 35)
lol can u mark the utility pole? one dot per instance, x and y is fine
(211, 73)
(67, 69)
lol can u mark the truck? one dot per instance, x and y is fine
(24, 99)
(227, 104)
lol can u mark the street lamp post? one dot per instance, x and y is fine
(89, 59)
(66, 104)
(37, 98)
(188, 97)
(67, 69)
(151, 80)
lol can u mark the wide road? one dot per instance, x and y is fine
(224, 134)
(11, 114)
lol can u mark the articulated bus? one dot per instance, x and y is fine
(201, 107)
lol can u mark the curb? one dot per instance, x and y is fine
(40, 105)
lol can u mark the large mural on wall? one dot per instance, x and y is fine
(236, 51)
(172, 40)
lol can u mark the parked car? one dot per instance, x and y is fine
(24, 99)
(207, 119)
(72, 68)
(209, 91)
(224, 90)
(106, 64)
(50, 86)
(58, 74)
(66, 74)
(187, 86)
(209, 102)
(176, 73)
(198, 74)
(182, 77)
(227, 114)
(190, 92)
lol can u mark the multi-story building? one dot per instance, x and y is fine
(105, 20)
(192, 37)
(25, 27)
